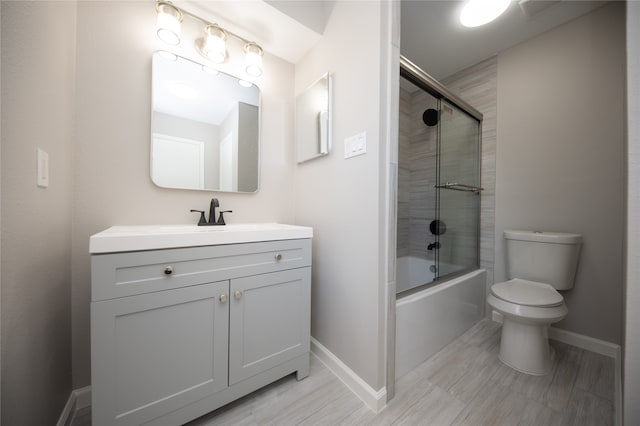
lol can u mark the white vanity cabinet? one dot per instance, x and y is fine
(179, 332)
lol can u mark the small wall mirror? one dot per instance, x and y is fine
(313, 120)
(205, 127)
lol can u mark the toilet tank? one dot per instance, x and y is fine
(547, 257)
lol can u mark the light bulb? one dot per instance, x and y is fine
(480, 12)
(253, 59)
(215, 40)
(168, 23)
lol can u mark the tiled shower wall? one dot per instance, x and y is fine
(477, 85)
(404, 174)
(416, 175)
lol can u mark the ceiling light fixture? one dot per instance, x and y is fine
(480, 12)
(169, 19)
(213, 46)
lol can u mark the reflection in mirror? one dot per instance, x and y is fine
(205, 128)
(313, 120)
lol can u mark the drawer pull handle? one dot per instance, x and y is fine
(278, 257)
(223, 298)
(237, 294)
(168, 270)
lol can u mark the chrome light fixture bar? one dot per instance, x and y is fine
(213, 44)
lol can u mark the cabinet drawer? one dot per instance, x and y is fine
(125, 274)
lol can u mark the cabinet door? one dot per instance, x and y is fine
(269, 321)
(157, 352)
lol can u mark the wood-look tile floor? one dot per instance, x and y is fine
(463, 384)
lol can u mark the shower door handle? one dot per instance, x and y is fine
(460, 187)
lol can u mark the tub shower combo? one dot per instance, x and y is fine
(440, 287)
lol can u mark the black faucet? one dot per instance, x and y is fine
(212, 215)
(212, 210)
(435, 245)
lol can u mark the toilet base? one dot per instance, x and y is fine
(525, 347)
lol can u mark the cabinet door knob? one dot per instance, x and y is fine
(237, 294)
(278, 257)
(168, 270)
(223, 298)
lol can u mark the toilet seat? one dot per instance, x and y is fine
(527, 293)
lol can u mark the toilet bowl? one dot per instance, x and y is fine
(528, 309)
(538, 264)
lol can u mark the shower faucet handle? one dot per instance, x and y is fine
(436, 245)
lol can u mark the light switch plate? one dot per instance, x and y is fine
(43, 169)
(355, 145)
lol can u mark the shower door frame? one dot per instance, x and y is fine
(424, 81)
(417, 76)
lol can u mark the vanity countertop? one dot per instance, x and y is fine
(154, 237)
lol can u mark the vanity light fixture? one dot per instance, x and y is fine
(480, 12)
(253, 59)
(169, 19)
(213, 45)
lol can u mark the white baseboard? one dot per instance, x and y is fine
(375, 400)
(585, 342)
(78, 399)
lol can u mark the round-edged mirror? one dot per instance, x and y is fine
(205, 127)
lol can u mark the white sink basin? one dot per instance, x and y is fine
(153, 237)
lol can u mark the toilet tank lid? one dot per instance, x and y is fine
(543, 237)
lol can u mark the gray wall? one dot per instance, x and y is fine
(341, 198)
(631, 369)
(560, 167)
(38, 57)
(111, 168)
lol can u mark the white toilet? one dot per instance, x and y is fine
(538, 264)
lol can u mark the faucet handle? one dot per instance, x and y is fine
(221, 218)
(202, 220)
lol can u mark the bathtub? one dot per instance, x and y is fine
(412, 272)
(428, 320)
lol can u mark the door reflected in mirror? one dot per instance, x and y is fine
(313, 120)
(205, 128)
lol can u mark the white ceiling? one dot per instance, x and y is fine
(433, 38)
(431, 35)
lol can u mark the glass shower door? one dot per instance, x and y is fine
(458, 193)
